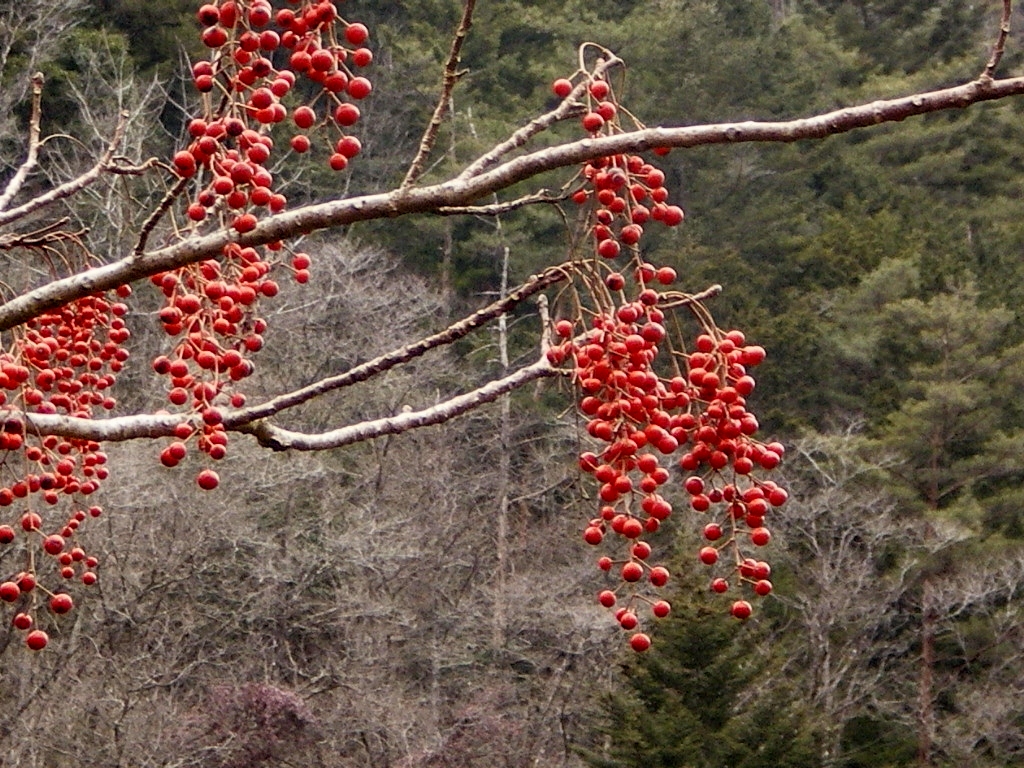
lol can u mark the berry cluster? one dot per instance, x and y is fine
(642, 417)
(259, 57)
(243, 92)
(724, 460)
(643, 407)
(626, 191)
(61, 362)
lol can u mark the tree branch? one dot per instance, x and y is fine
(122, 428)
(70, 187)
(409, 352)
(999, 46)
(459, 192)
(450, 78)
(14, 185)
(282, 439)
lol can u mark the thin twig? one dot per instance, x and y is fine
(158, 213)
(389, 360)
(280, 439)
(451, 77)
(1000, 43)
(14, 185)
(70, 187)
(496, 209)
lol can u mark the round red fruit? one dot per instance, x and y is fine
(245, 223)
(632, 572)
(359, 88)
(763, 587)
(349, 146)
(760, 536)
(639, 642)
(304, 117)
(6, 534)
(661, 609)
(659, 576)
(346, 114)
(9, 591)
(741, 610)
(53, 544)
(37, 639)
(208, 479)
(61, 603)
(719, 586)
(592, 122)
(712, 531)
(606, 598)
(628, 620)
(708, 555)
(357, 34)
(593, 535)
(22, 621)
(561, 87)
(632, 528)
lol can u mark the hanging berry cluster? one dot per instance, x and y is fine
(63, 362)
(305, 54)
(646, 408)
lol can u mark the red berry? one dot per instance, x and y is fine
(359, 88)
(661, 609)
(639, 642)
(561, 87)
(304, 117)
(61, 603)
(37, 639)
(712, 531)
(245, 223)
(22, 621)
(9, 591)
(763, 587)
(760, 536)
(593, 535)
(349, 146)
(719, 585)
(708, 555)
(741, 609)
(208, 479)
(632, 572)
(346, 114)
(606, 598)
(362, 57)
(659, 576)
(53, 544)
(357, 34)
(592, 122)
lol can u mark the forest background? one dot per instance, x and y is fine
(364, 606)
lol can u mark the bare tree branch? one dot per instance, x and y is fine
(460, 191)
(68, 189)
(449, 79)
(14, 185)
(282, 439)
(999, 46)
(409, 352)
(123, 428)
